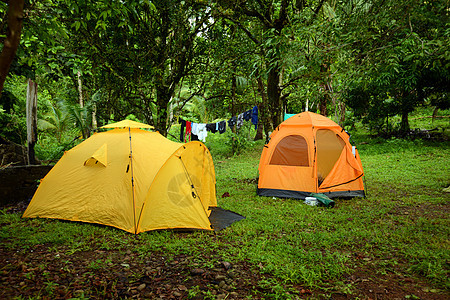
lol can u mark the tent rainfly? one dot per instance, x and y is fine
(132, 179)
(309, 153)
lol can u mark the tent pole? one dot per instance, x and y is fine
(132, 182)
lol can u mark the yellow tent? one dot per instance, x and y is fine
(309, 153)
(132, 179)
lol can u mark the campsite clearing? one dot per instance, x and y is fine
(393, 244)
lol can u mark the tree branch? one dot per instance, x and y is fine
(317, 10)
(248, 33)
(15, 21)
(253, 13)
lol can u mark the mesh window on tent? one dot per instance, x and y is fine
(291, 151)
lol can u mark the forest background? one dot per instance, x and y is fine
(380, 68)
(96, 62)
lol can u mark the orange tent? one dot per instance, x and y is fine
(309, 153)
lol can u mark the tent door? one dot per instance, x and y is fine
(329, 149)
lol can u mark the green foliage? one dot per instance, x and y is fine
(400, 66)
(62, 127)
(190, 106)
(383, 58)
(50, 149)
(13, 127)
(56, 120)
(82, 118)
(230, 143)
(12, 110)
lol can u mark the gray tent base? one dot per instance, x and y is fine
(302, 195)
(221, 218)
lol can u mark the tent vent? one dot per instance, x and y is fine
(99, 156)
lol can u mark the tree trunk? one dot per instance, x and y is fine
(342, 110)
(163, 96)
(31, 113)
(80, 89)
(233, 110)
(435, 111)
(323, 105)
(274, 96)
(15, 20)
(404, 125)
(259, 131)
(264, 113)
(259, 127)
(94, 117)
(325, 87)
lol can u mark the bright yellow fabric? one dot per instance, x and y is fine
(90, 192)
(186, 182)
(127, 124)
(99, 157)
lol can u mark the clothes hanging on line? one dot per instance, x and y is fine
(248, 115)
(194, 128)
(183, 125)
(211, 127)
(240, 121)
(232, 122)
(222, 126)
(255, 116)
(187, 136)
(199, 129)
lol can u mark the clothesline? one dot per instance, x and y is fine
(199, 131)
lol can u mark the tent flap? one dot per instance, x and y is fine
(344, 171)
(99, 156)
(221, 218)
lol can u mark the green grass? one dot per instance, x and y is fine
(401, 227)
(401, 220)
(421, 118)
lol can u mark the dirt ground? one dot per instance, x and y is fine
(46, 273)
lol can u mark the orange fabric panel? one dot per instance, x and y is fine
(287, 178)
(356, 185)
(345, 170)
